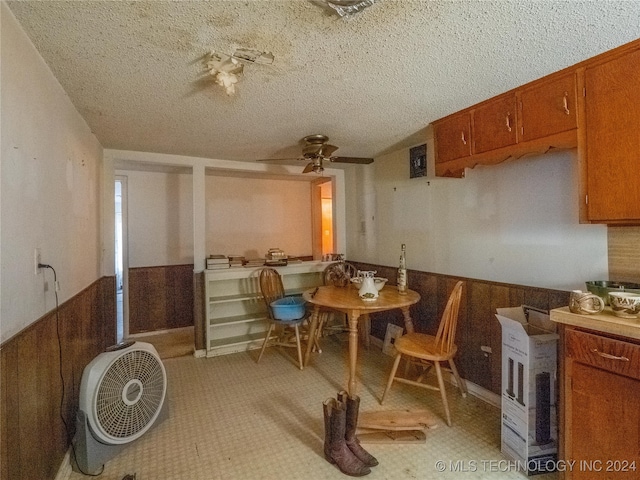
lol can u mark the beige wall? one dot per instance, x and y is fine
(50, 186)
(247, 216)
(516, 222)
(160, 218)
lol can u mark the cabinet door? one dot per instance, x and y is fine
(605, 408)
(549, 108)
(494, 124)
(453, 138)
(613, 139)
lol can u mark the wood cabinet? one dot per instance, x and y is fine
(236, 317)
(453, 138)
(548, 107)
(612, 139)
(531, 119)
(600, 398)
(592, 105)
(494, 124)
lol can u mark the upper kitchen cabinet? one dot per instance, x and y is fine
(610, 156)
(531, 119)
(494, 124)
(453, 139)
(548, 107)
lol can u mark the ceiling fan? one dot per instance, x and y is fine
(316, 150)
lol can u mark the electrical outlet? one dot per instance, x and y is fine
(36, 259)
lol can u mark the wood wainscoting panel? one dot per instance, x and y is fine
(199, 311)
(160, 298)
(479, 335)
(34, 402)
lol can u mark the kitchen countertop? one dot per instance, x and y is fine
(605, 322)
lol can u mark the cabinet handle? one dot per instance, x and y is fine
(565, 102)
(608, 355)
(464, 140)
(508, 118)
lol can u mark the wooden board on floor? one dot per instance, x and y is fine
(395, 436)
(396, 420)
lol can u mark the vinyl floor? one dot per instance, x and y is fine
(230, 418)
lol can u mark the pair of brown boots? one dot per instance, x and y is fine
(341, 446)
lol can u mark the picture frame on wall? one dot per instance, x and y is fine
(418, 161)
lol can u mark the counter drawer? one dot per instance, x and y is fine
(615, 356)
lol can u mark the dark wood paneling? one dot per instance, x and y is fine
(477, 323)
(160, 298)
(476, 361)
(33, 436)
(199, 311)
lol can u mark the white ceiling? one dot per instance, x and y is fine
(372, 82)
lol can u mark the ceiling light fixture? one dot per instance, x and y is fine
(348, 8)
(225, 69)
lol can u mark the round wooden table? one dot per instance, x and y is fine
(347, 300)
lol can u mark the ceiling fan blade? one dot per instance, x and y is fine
(279, 159)
(359, 160)
(308, 168)
(327, 150)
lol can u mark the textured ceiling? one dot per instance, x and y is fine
(372, 83)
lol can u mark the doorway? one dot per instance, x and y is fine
(121, 259)
(323, 230)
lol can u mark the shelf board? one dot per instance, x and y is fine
(239, 340)
(249, 317)
(235, 298)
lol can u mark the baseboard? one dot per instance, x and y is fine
(65, 470)
(159, 332)
(481, 393)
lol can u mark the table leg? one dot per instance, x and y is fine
(312, 333)
(408, 323)
(353, 349)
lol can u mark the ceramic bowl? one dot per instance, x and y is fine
(625, 304)
(379, 282)
(602, 288)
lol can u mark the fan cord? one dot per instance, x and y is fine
(64, 421)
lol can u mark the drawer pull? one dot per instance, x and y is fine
(608, 355)
(565, 103)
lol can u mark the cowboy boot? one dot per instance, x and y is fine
(353, 406)
(335, 448)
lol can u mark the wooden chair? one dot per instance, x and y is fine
(272, 289)
(428, 350)
(338, 274)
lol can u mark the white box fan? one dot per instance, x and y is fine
(122, 395)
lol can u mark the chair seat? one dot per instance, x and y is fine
(420, 345)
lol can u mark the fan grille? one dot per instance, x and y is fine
(130, 394)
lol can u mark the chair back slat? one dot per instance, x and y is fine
(271, 287)
(446, 335)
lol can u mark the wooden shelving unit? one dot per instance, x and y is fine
(236, 317)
